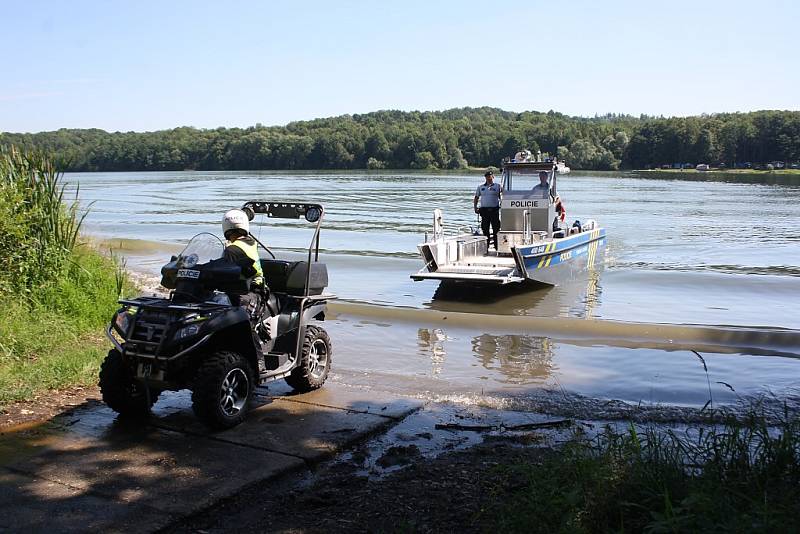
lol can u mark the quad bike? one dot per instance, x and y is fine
(197, 339)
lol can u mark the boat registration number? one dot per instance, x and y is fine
(188, 273)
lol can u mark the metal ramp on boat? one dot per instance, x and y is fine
(472, 273)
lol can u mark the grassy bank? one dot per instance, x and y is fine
(732, 172)
(741, 476)
(56, 294)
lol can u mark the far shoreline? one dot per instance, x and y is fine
(774, 177)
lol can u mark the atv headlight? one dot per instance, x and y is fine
(188, 331)
(122, 320)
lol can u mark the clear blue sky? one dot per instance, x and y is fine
(148, 65)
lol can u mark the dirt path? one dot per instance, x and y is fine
(46, 406)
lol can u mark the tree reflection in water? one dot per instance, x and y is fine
(521, 359)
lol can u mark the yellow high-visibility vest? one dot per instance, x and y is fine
(252, 252)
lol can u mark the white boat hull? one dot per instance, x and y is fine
(552, 261)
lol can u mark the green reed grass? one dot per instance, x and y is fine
(38, 229)
(55, 293)
(741, 475)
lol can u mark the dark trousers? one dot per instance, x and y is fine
(490, 216)
(251, 301)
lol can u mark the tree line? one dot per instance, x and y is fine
(451, 139)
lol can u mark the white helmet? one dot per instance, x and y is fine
(235, 220)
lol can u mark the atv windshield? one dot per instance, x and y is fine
(201, 249)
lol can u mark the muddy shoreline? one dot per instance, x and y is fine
(450, 493)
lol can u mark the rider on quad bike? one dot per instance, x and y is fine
(242, 250)
(222, 331)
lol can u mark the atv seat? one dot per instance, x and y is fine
(290, 276)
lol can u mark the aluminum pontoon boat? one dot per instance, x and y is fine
(532, 244)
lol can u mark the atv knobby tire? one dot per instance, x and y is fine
(223, 388)
(121, 392)
(315, 361)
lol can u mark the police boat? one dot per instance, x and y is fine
(534, 244)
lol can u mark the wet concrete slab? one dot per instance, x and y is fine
(163, 470)
(354, 399)
(35, 505)
(89, 469)
(311, 426)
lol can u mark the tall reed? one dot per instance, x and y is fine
(38, 229)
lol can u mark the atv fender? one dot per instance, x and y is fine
(315, 311)
(233, 316)
(238, 337)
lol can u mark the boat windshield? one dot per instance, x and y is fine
(202, 248)
(527, 180)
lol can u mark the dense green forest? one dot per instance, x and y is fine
(451, 139)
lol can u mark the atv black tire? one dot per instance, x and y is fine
(315, 361)
(223, 388)
(121, 392)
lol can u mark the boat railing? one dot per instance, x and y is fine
(526, 226)
(451, 230)
(441, 229)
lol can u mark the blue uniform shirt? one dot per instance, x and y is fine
(541, 190)
(489, 195)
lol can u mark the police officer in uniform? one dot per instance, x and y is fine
(489, 194)
(542, 189)
(243, 251)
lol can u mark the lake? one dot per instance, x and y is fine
(717, 258)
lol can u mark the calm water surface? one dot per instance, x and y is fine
(679, 252)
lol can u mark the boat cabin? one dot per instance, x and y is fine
(527, 210)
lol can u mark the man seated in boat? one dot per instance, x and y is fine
(542, 189)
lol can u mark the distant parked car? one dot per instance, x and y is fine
(703, 167)
(778, 164)
(794, 166)
(688, 166)
(666, 166)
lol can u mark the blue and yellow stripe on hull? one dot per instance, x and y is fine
(553, 262)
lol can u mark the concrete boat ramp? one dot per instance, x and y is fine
(87, 469)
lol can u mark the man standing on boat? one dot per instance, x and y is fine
(489, 194)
